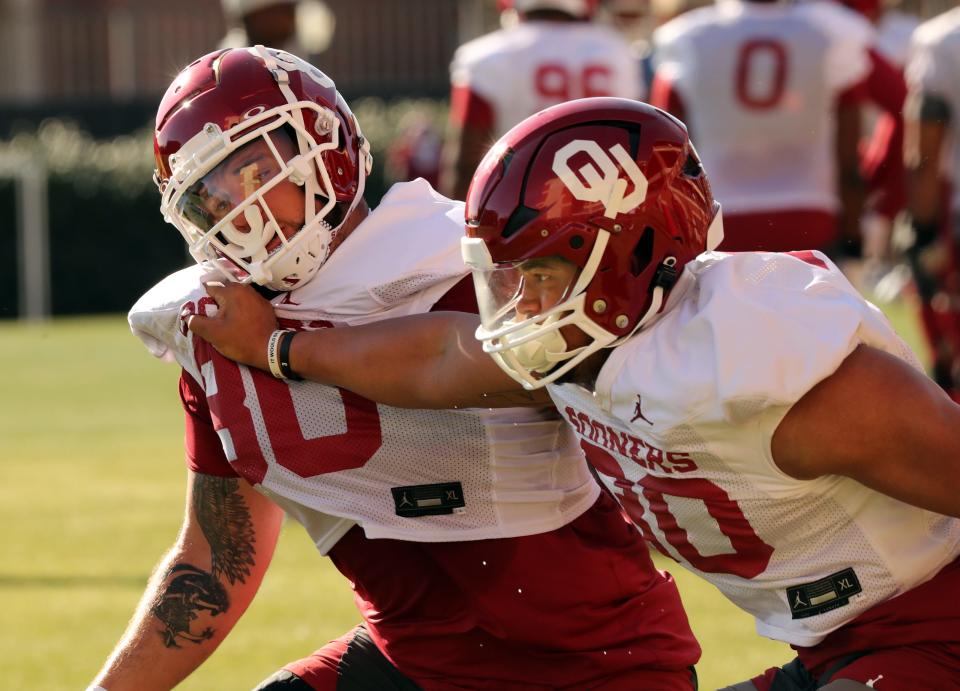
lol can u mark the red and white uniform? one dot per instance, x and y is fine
(894, 33)
(882, 156)
(506, 76)
(544, 606)
(757, 84)
(680, 429)
(934, 68)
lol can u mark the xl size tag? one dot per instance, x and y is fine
(821, 596)
(428, 500)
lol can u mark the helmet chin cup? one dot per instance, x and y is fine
(541, 353)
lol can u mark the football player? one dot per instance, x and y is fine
(933, 153)
(481, 551)
(553, 53)
(759, 421)
(771, 92)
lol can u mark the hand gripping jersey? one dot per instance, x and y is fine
(934, 68)
(680, 430)
(519, 71)
(331, 458)
(759, 83)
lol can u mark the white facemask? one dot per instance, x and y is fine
(539, 354)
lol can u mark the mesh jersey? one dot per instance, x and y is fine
(680, 430)
(331, 458)
(524, 69)
(759, 82)
(934, 68)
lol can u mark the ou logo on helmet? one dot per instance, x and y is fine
(599, 180)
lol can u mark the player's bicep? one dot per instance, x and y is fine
(881, 422)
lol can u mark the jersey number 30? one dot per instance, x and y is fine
(264, 423)
(750, 554)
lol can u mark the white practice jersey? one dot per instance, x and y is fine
(331, 458)
(934, 68)
(535, 64)
(894, 33)
(760, 83)
(680, 429)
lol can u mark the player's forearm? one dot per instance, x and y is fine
(141, 660)
(924, 193)
(199, 590)
(851, 187)
(924, 135)
(423, 361)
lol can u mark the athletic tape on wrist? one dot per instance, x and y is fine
(273, 353)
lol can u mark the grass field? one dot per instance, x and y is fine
(92, 494)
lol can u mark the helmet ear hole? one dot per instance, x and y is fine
(642, 252)
(692, 167)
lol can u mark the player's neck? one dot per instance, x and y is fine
(585, 374)
(350, 224)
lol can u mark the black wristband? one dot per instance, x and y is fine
(283, 356)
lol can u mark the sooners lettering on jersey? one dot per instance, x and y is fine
(680, 430)
(524, 69)
(322, 452)
(758, 83)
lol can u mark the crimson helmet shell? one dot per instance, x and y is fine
(522, 208)
(226, 86)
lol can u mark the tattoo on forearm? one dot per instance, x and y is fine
(189, 592)
(224, 519)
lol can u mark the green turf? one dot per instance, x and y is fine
(90, 441)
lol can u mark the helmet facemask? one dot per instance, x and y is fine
(259, 163)
(529, 346)
(217, 197)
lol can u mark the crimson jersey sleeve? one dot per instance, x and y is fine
(461, 298)
(664, 96)
(468, 109)
(204, 454)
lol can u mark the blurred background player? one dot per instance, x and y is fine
(482, 553)
(548, 51)
(301, 27)
(771, 92)
(882, 145)
(933, 156)
(415, 151)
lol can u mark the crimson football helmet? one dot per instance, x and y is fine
(577, 8)
(236, 125)
(613, 186)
